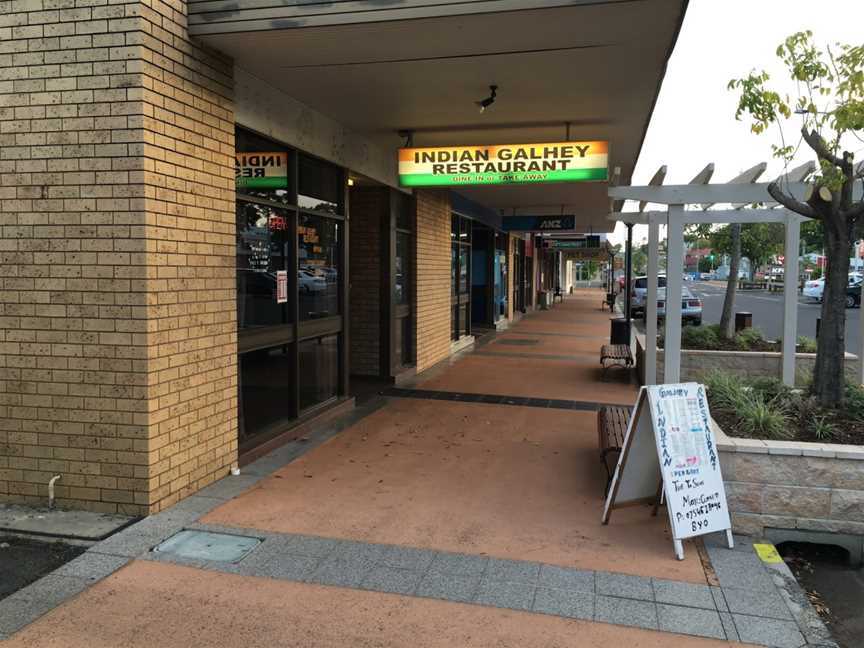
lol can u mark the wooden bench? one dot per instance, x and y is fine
(615, 355)
(612, 423)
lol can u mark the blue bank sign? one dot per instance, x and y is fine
(538, 223)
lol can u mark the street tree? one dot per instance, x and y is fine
(828, 99)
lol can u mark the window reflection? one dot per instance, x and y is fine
(261, 253)
(266, 390)
(320, 186)
(403, 250)
(319, 266)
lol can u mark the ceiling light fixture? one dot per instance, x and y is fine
(488, 101)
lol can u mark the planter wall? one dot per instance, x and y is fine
(694, 364)
(796, 486)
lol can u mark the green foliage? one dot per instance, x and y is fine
(763, 419)
(821, 428)
(725, 390)
(854, 401)
(700, 337)
(749, 338)
(759, 241)
(759, 408)
(770, 388)
(806, 344)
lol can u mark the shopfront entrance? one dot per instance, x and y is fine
(291, 232)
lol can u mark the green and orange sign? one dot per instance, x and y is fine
(261, 170)
(448, 166)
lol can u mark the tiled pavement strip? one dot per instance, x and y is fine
(755, 603)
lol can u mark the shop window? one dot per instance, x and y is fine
(319, 370)
(319, 267)
(320, 186)
(262, 234)
(266, 390)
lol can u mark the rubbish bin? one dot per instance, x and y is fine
(743, 320)
(620, 330)
(543, 299)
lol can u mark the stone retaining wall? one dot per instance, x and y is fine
(695, 363)
(792, 485)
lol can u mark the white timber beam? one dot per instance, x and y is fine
(714, 193)
(651, 300)
(674, 281)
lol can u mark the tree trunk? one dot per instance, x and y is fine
(727, 324)
(828, 373)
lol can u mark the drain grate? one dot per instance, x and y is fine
(206, 545)
(519, 341)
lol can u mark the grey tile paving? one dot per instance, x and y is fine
(92, 567)
(392, 579)
(451, 587)
(230, 487)
(129, 543)
(627, 612)
(566, 578)
(768, 632)
(624, 586)
(729, 626)
(740, 569)
(198, 504)
(756, 603)
(702, 623)
(564, 602)
(459, 564)
(719, 599)
(294, 568)
(342, 573)
(357, 552)
(506, 594)
(517, 571)
(678, 593)
(302, 545)
(407, 558)
(16, 612)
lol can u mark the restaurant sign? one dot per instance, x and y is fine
(261, 170)
(503, 164)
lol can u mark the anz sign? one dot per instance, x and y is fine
(538, 223)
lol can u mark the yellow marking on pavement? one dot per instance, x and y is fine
(767, 553)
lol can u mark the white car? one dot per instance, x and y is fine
(691, 306)
(814, 289)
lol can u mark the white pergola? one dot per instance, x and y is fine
(691, 204)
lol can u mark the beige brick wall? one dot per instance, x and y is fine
(117, 320)
(432, 277)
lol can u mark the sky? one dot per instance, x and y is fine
(694, 119)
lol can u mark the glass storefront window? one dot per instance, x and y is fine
(464, 252)
(318, 255)
(261, 252)
(319, 370)
(320, 186)
(266, 390)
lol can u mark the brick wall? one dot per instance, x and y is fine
(368, 207)
(118, 335)
(432, 277)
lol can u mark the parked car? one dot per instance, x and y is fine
(853, 295)
(815, 288)
(639, 293)
(691, 306)
(310, 283)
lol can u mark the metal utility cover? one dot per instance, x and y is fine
(206, 545)
(519, 341)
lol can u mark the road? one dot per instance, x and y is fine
(767, 309)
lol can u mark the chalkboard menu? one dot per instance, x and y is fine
(683, 460)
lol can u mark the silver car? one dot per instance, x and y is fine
(639, 293)
(691, 306)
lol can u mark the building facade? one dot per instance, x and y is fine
(196, 261)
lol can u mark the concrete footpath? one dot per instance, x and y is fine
(463, 510)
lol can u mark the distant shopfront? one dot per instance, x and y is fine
(291, 290)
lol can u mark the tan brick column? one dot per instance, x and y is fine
(117, 294)
(432, 277)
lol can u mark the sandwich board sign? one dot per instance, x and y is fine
(670, 438)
